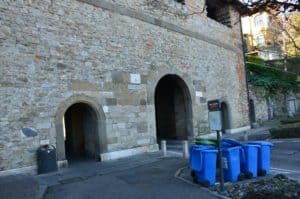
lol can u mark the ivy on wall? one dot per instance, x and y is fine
(272, 79)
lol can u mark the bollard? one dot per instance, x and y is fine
(163, 145)
(185, 147)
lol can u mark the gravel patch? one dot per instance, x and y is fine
(279, 187)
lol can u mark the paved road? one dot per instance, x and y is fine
(18, 186)
(155, 180)
(286, 158)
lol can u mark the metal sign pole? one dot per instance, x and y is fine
(220, 160)
(215, 124)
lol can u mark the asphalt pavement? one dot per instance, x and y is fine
(285, 158)
(142, 176)
(155, 180)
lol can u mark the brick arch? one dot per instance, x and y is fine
(157, 76)
(59, 125)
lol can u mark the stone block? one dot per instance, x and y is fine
(78, 85)
(142, 127)
(111, 101)
(113, 140)
(203, 100)
(143, 102)
(119, 77)
(144, 79)
(61, 66)
(121, 125)
(44, 125)
(134, 87)
(143, 141)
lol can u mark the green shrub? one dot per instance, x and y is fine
(291, 130)
(270, 78)
(255, 59)
(290, 120)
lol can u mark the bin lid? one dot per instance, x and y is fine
(206, 150)
(203, 146)
(46, 147)
(231, 148)
(251, 145)
(232, 142)
(261, 143)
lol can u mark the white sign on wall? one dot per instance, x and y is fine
(105, 109)
(135, 78)
(199, 94)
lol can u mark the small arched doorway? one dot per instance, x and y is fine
(81, 132)
(173, 109)
(225, 117)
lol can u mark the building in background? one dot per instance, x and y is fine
(272, 37)
(274, 40)
(262, 36)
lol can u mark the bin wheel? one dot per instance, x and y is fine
(205, 183)
(262, 173)
(241, 177)
(195, 179)
(193, 173)
(249, 175)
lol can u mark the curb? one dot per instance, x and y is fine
(177, 175)
(41, 192)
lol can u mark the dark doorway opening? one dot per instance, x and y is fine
(225, 117)
(252, 111)
(218, 11)
(173, 109)
(81, 133)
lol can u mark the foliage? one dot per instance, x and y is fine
(270, 78)
(292, 64)
(280, 6)
(255, 59)
(290, 120)
(292, 32)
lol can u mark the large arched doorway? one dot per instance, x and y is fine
(173, 109)
(81, 132)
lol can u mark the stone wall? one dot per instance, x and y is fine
(109, 55)
(269, 106)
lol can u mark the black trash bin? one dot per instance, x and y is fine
(46, 159)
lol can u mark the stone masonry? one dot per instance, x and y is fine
(268, 105)
(110, 55)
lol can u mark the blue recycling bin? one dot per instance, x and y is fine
(203, 163)
(264, 157)
(198, 147)
(231, 163)
(249, 158)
